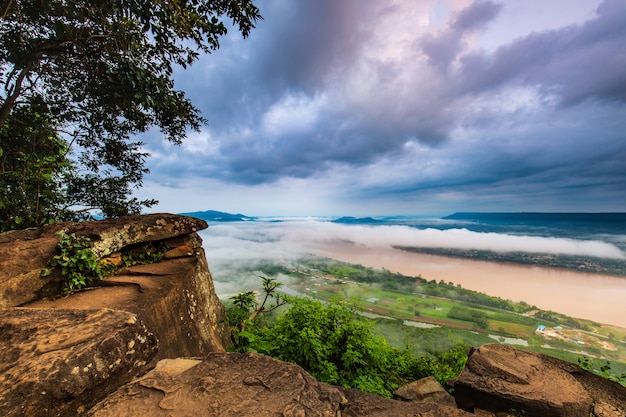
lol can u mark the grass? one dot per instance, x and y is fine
(513, 329)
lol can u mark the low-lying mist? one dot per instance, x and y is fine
(234, 245)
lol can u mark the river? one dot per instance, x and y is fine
(596, 297)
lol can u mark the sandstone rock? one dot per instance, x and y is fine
(602, 409)
(500, 378)
(425, 390)
(181, 251)
(57, 363)
(231, 384)
(114, 259)
(175, 299)
(24, 253)
(111, 235)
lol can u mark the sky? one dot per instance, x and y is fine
(405, 107)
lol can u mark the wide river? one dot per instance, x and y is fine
(596, 297)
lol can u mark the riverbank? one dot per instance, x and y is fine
(592, 296)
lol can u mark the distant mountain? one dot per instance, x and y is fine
(541, 217)
(219, 216)
(356, 220)
(558, 224)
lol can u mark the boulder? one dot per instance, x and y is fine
(61, 362)
(238, 385)
(425, 390)
(23, 255)
(501, 378)
(111, 235)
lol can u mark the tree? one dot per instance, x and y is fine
(247, 308)
(332, 342)
(336, 346)
(32, 163)
(100, 72)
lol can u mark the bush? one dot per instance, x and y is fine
(333, 342)
(336, 346)
(467, 314)
(78, 264)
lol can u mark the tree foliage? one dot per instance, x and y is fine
(32, 164)
(337, 346)
(246, 308)
(468, 314)
(100, 72)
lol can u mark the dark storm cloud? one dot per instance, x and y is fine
(308, 40)
(308, 49)
(585, 165)
(574, 63)
(475, 16)
(444, 47)
(293, 50)
(328, 85)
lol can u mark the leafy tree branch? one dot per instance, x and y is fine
(100, 72)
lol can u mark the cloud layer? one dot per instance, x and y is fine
(389, 103)
(259, 240)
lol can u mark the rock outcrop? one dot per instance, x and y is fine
(240, 385)
(175, 298)
(501, 378)
(57, 363)
(24, 253)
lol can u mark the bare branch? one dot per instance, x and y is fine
(5, 110)
(6, 11)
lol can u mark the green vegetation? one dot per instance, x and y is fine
(32, 164)
(78, 81)
(334, 343)
(429, 318)
(247, 309)
(335, 347)
(467, 314)
(144, 254)
(604, 370)
(79, 265)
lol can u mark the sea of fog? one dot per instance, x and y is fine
(228, 243)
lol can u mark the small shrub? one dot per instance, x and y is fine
(78, 264)
(143, 255)
(604, 370)
(247, 309)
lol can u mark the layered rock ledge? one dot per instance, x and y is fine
(238, 385)
(175, 298)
